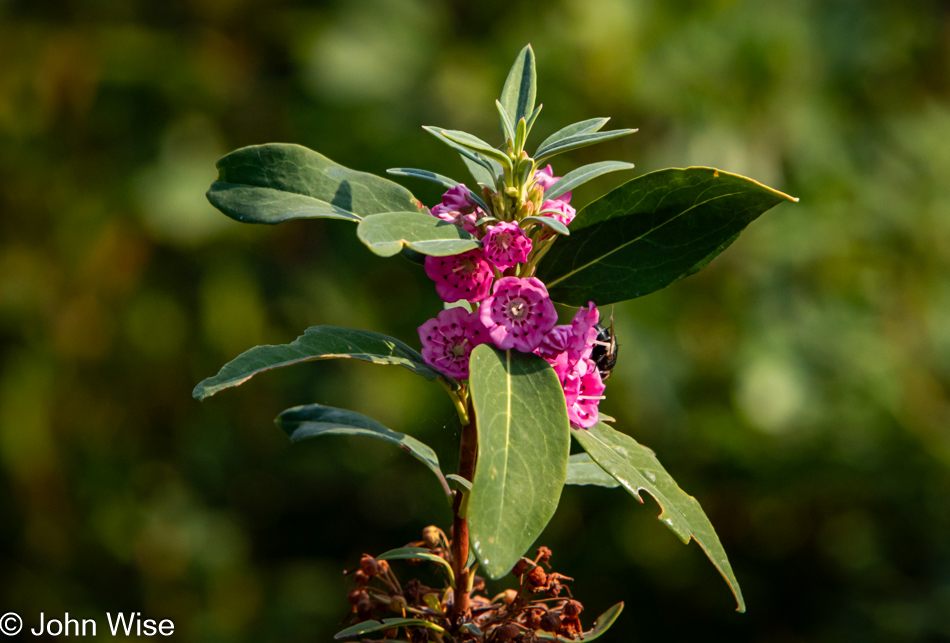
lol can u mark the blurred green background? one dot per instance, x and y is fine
(799, 386)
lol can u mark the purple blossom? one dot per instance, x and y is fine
(563, 212)
(463, 276)
(457, 207)
(448, 340)
(574, 340)
(518, 313)
(506, 244)
(583, 390)
(458, 199)
(545, 178)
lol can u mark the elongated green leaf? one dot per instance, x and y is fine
(419, 553)
(651, 231)
(436, 178)
(387, 234)
(550, 222)
(507, 129)
(582, 470)
(314, 420)
(636, 468)
(279, 182)
(367, 627)
(319, 342)
(582, 127)
(477, 145)
(532, 119)
(523, 446)
(601, 625)
(582, 175)
(483, 169)
(521, 86)
(579, 140)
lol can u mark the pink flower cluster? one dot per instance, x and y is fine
(510, 312)
(562, 211)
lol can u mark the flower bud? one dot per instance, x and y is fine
(533, 619)
(550, 622)
(506, 632)
(521, 567)
(572, 608)
(369, 566)
(537, 577)
(398, 603)
(430, 536)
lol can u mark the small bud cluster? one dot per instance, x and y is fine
(506, 305)
(519, 615)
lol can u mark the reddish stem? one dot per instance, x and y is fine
(468, 452)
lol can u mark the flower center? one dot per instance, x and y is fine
(517, 309)
(458, 348)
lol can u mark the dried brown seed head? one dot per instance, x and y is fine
(509, 596)
(521, 567)
(431, 536)
(537, 577)
(550, 622)
(369, 566)
(360, 578)
(544, 554)
(572, 608)
(506, 632)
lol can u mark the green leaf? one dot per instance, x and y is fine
(521, 86)
(367, 627)
(460, 481)
(581, 470)
(507, 129)
(436, 178)
(314, 420)
(484, 170)
(387, 234)
(582, 127)
(419, 553)
(636, 468)
(550, 222)
(651, 231)
(475, 144)
(279, 182)
(532, 119)
(577, 141)
(523, 446)
(582, 175)
(601, 625)
(320, 342)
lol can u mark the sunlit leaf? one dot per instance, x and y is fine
(419, 553)
(550, 222)
(582, 127)
(387, 234)
(314, 420)
(523, 446)
(279, 182)
(651, 231)
(521, 86)
(582, 470)
(483, 169)
(601, 625)
(636, 468)
(577, 141)
(477, 145)
(582, 175)
(436, 178)
(318, 343)
(366, 627)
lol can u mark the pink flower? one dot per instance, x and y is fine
(466, 221)
(458, 199)
(518, 313)
(583, 390)
(463, 276)
(448, 340)
(574, 340)
(545, 178)
(506, 244)
(563, 212)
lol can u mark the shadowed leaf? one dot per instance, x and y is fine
(636, 468)
(387, 234)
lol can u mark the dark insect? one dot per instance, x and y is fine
(604, 354)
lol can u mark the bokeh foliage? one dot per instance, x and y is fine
(799, 386)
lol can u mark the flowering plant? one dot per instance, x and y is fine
(500, 253)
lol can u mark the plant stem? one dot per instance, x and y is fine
(468, 452)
